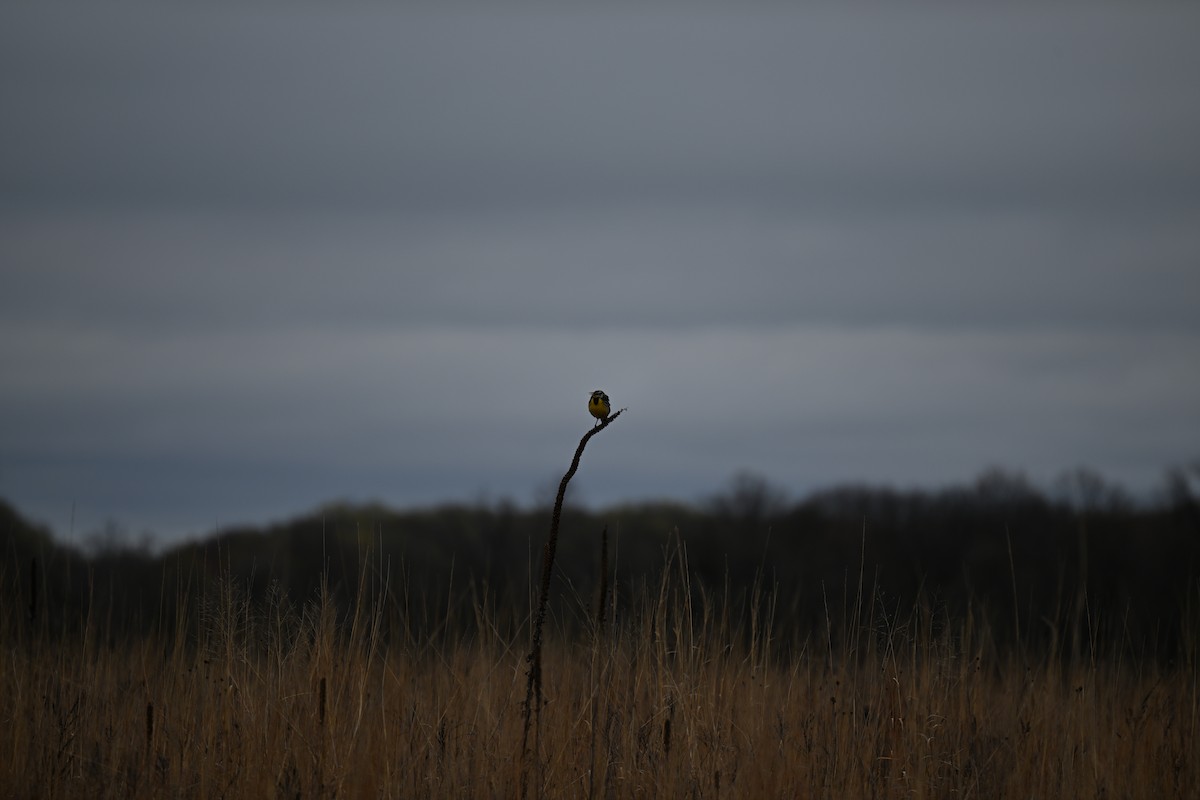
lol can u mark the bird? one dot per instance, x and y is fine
(599, 406)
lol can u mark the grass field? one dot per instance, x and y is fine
(676, 693)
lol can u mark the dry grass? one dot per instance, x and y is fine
(678, 696)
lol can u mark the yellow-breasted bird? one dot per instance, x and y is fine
(599, 406)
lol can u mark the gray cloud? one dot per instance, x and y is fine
(375, 103)
(645, 266)
(257, 257)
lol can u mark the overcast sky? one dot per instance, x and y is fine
(257, 257)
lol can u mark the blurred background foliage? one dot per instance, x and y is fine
(1081, 568)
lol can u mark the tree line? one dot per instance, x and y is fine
(1082, 569)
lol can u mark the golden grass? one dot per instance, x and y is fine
(678, 696)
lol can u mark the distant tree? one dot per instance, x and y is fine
(113, 540)
(1003, 488)
(1183, 484)
(750, 499)
(1182, 493)
(1084, 490)
(20, 537)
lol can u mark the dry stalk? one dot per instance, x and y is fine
(533, 691)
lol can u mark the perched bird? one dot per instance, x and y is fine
(599, 405)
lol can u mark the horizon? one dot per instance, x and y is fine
(1079, 488)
